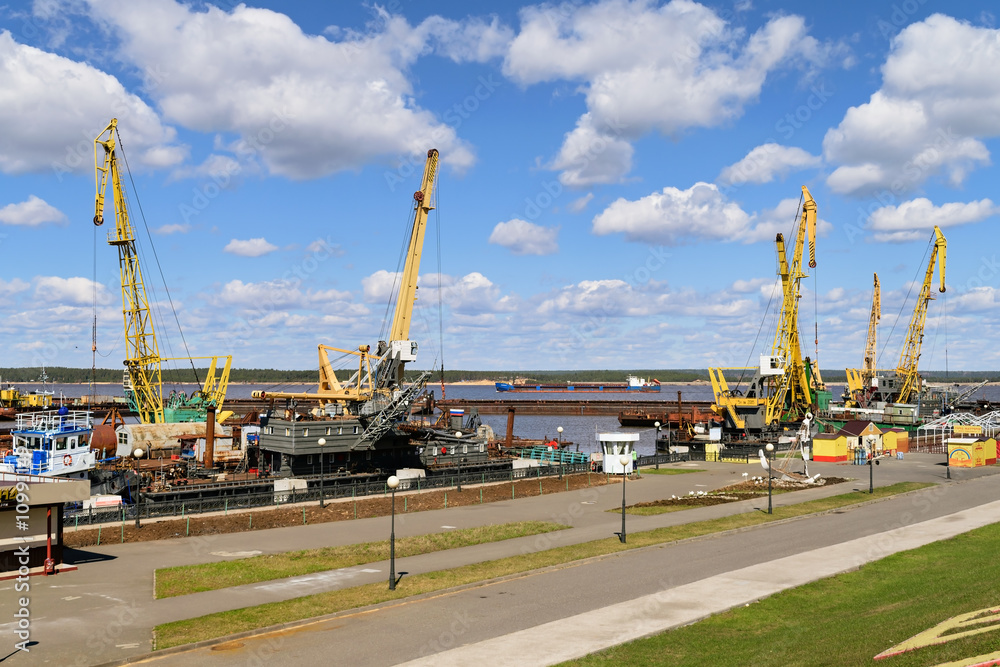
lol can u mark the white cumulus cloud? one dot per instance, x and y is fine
(256, 247)
(32, 213)
(59, 105)
(303, 105)
(766, 162)
(700, 213)
(525, 238)
(938, 100)
(645, 66)
(910, 220)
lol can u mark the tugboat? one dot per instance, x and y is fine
(53, 443)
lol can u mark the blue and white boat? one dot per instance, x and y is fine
(53, 443)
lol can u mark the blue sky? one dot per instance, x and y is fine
(613, 176)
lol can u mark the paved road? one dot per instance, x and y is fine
(107, 608)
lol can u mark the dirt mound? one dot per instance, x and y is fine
(752, 488)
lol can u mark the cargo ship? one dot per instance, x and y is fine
(632, 383)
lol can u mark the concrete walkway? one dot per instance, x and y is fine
(107, 606)
(576, 636)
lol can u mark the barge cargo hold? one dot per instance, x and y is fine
(632, 383)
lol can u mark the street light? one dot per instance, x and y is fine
(321, 442)
(656, 446)
(770, 450)
(872, 462)
(623, 459)
(392, 483)
(458, 434)
(138, 455)
(559, 430)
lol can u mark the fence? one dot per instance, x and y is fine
(331, 490)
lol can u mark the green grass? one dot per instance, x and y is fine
(668, 471)
(183, 580)
(220, 624)
(844, 620)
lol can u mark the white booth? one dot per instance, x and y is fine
(613, 445)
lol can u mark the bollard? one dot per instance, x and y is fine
(446, 500)
(250, 527)
(226, 507)
(480, 496)
(187, 530)
(539, 486)
(567, 483)
(303, 516)
(76, 523)
(123, 532)
(99, 535)
(512, 490)
(404, 504)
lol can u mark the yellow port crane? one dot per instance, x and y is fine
(143, 379)
(784, 386)
(859, 381)
(906, 379)
(391, 356)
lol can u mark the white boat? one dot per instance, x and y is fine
(53, 443)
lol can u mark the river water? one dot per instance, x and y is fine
(582, 431)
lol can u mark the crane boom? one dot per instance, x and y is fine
(860, 381)
(143, 380)
(868, 365)
(400, 349)
(784, 387)
(792, 395)
(910, 356)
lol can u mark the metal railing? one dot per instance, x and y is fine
(333, 490)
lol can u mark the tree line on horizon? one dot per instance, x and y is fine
(67, 375)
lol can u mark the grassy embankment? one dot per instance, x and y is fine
(221, 624)
(183, 580)
(847, 619)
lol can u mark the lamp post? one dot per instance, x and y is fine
(322, 478)
(392, 483)
(458, 434)
(559, 430)
(872, 462)
(623, 459)
(656, 446)
(138, 455)
(770, 450)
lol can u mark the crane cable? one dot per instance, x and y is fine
(159, 268)
(437, 222)
(770, 299)
(885, 343)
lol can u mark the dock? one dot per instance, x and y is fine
(583, 408)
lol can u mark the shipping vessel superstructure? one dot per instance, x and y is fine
(631, 384)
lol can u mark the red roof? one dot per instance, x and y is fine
(856, 427)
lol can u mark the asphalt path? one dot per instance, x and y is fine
(396, 633)
(105, 612)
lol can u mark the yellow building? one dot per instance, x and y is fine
(895, 440)
(831, 447)
(971, 452)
